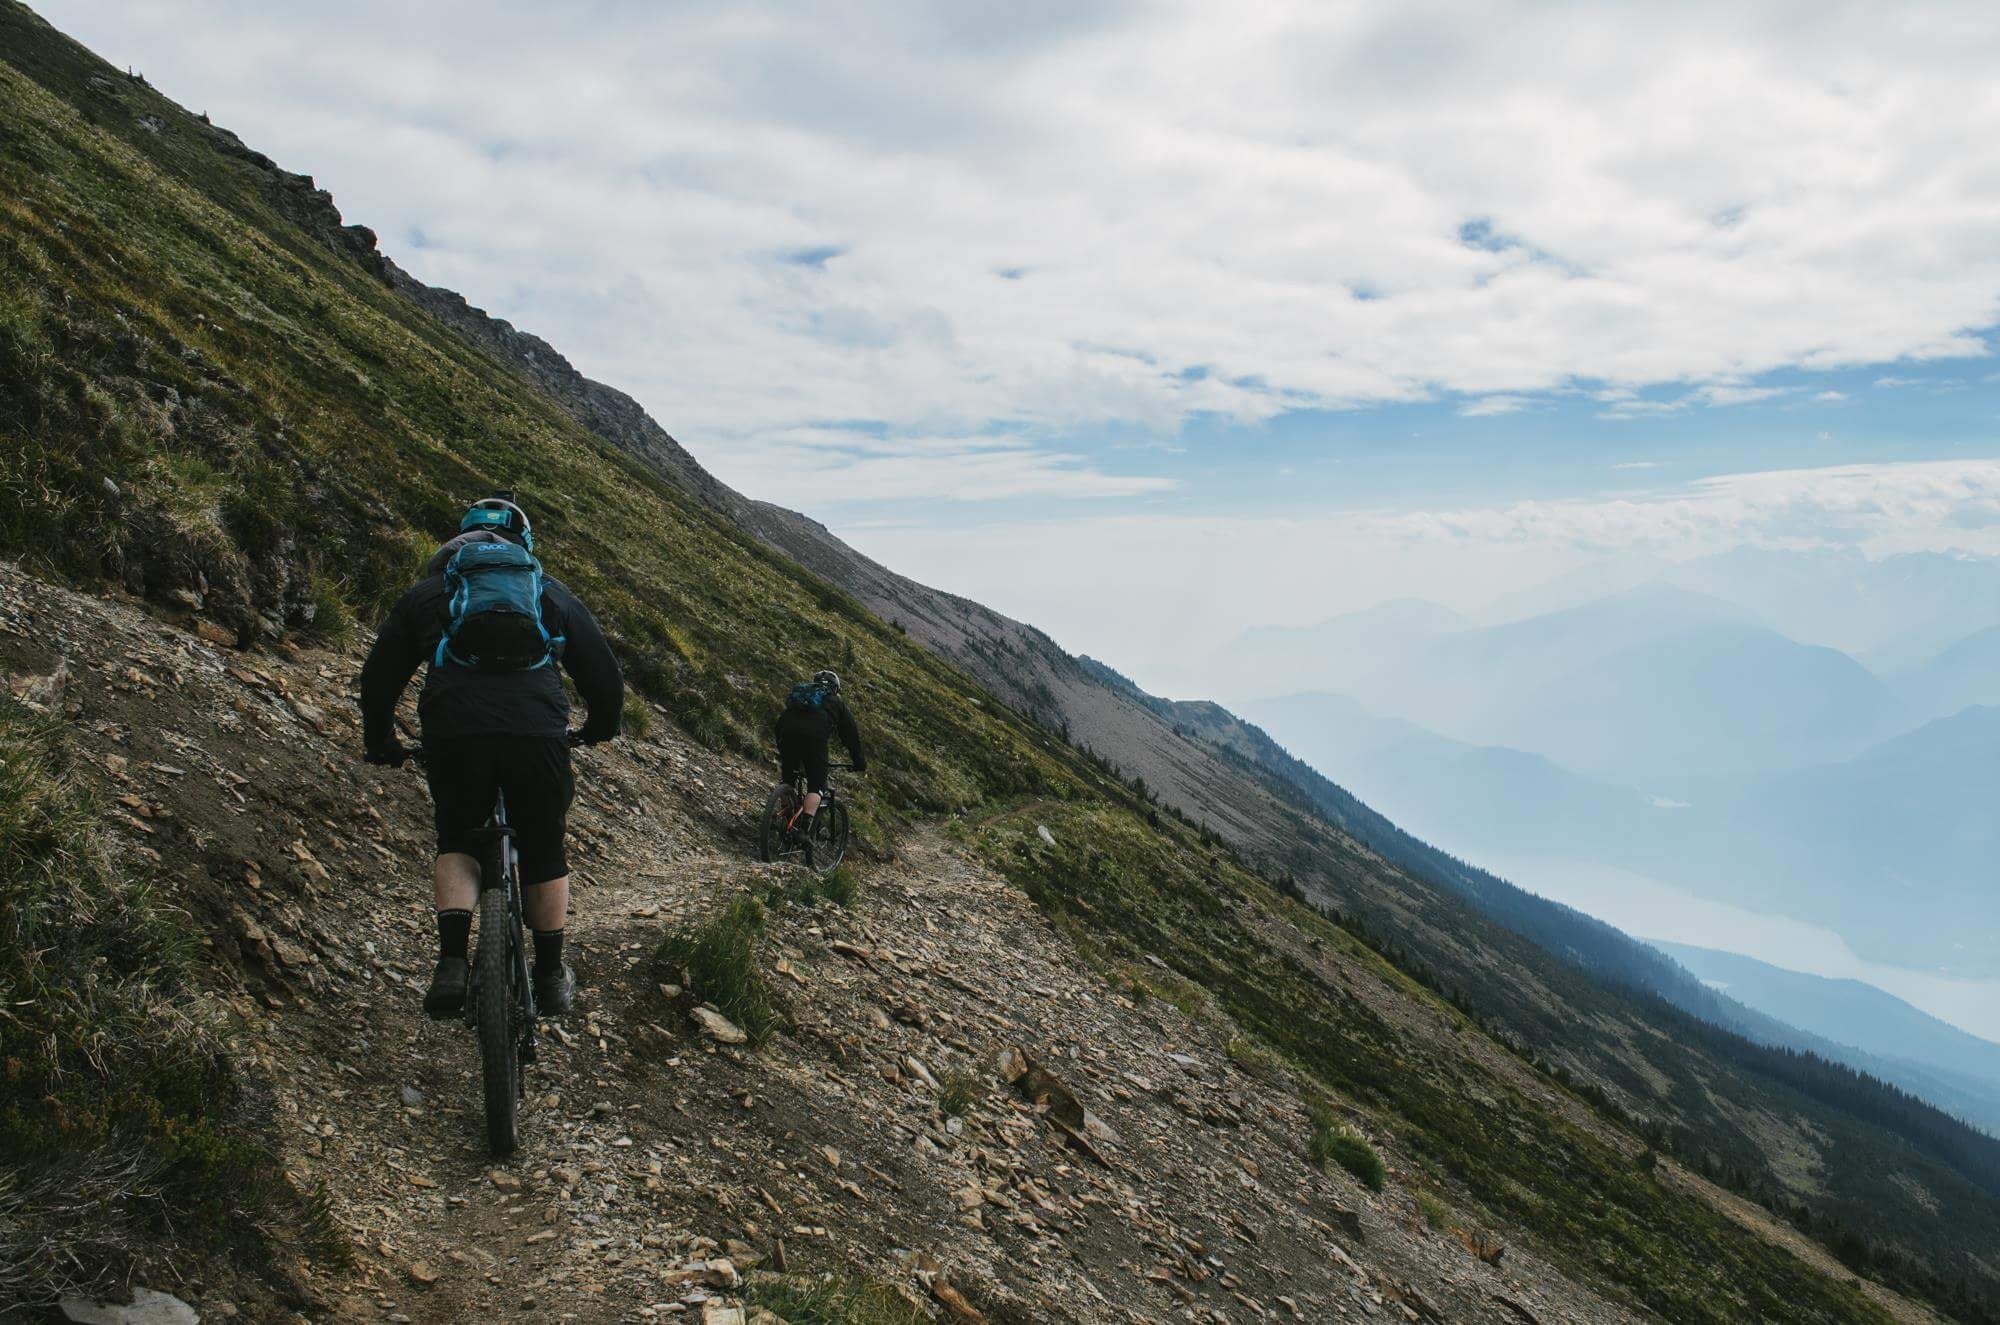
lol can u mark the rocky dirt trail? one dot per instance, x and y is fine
(960, 1107)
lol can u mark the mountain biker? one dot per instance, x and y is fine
(813, 713)
(493, 724)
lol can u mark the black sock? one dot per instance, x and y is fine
(454, 933)
(548, 949)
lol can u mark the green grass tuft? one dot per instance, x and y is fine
(959, 1092)
(719, 959)
(833, 1301)
(1334, 1142)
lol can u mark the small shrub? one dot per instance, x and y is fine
(719, 957)
(1335, 1142)
(636, 718)
(959, 1092)
(803, 887)
(839, 886)
(1436, 1214)
(332, 619)
(832, 1301)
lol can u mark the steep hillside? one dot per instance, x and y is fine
(218, 402)
(874, 1137)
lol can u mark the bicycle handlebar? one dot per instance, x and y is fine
(416, 754)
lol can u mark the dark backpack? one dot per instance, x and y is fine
(494, 597)
(807, 697)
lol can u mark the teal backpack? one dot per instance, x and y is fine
(807, 697)
(494, 596)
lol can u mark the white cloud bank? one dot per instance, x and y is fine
(1180, 585)
(951, 219)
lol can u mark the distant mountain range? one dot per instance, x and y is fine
(1650, 687)
(1893, 849)
(1669, 734)
(1964, 674)
(1905, 1044)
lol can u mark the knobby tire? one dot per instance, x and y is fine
(774, 825)
(832, 848)
(493, 1014)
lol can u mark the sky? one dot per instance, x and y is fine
(1117, 315)
(1151, 322)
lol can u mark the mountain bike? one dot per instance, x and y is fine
(779, 841)
(500, 998)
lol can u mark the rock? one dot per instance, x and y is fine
(110, 486)
(505, 1181)
(412, 1097)
(718, 1027)
(718, 1313)
(1042, 831)
(146, 1308)
(954, 1303)
(423, 1272)
(210, 633)
(1042, 1087)
(745, 1256)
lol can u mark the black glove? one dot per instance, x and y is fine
(861, 765)
(395, 756)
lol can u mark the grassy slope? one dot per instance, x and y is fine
(278, 423)
(122, 1115)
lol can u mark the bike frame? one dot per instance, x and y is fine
(507, 874)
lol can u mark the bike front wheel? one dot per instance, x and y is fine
(830, 838)
(493, 1018)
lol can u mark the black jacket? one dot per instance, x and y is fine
(833, 717)
(459, 701)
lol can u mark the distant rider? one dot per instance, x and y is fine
(494, 718)
(814, 712)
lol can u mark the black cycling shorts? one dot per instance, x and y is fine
(468, 773)
(803, 750)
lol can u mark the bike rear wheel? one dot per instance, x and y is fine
(493, 1018)
(830, 837)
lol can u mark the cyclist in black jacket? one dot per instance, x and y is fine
(490, 731)
(813, 714)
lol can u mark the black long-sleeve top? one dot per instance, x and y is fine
(833, 718)
(462, 701)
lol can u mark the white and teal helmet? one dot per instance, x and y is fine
(499, 514)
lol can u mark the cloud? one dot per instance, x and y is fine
(814, 467)
(1830, 397)
(1730, 393)
(756, 217)
(1490, 405)
(1637, 464)
(1095, 584)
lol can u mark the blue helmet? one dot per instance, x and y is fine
(502, 516)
